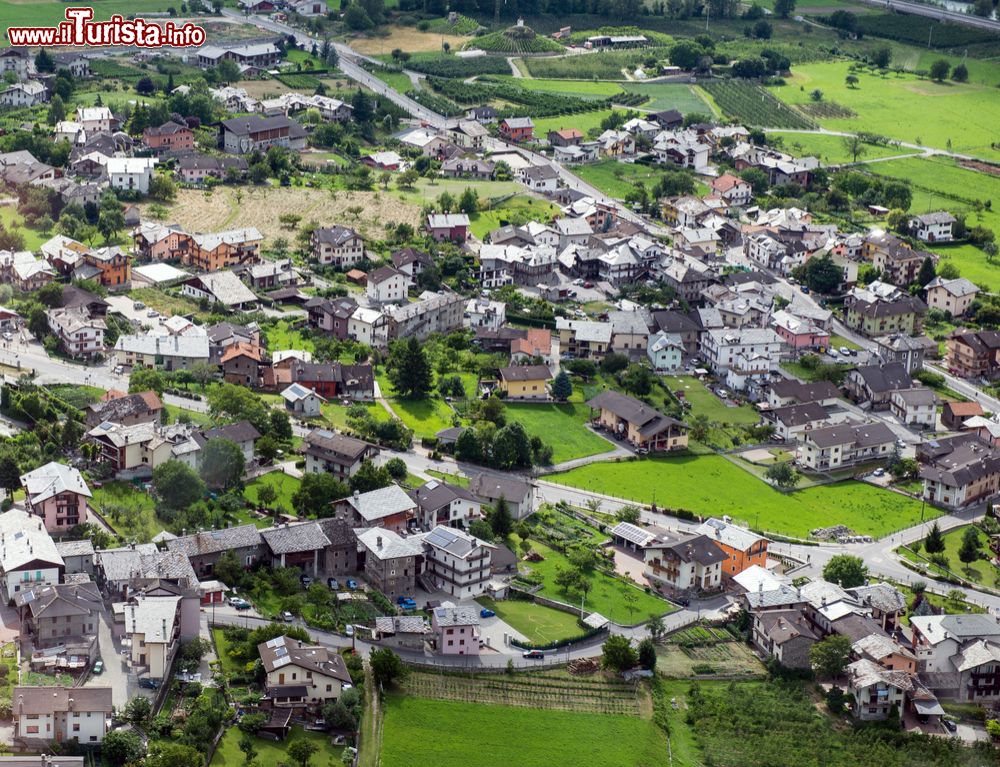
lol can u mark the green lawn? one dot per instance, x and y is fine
(584, 121)
(171, 414)
(431, 188)
(419, 731)
(167, 304)
(670, 96)
(426, 417)
(274, 753)
(399, 81)
(830, 149)
(562, 426)
(459, 480)
(606, 592)
(517, 210)
(966, 115)
(283, 484)
(283, 335)
(131, 512)
(617, 179)
(11, 219)
(711, 485)
(336, 414)
(222, 645)
(704, 402)
(981, 571)
(538, 623)
(584, 89)
(838, 341)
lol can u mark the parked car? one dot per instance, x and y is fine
(878, 473)
(305, 580)
(845, 351)
(287, 617)
(152, 313)
(588, 285)
(239, 603)
(831, 352)
(949, 725)
(8, 336)
(352, 584)
(333, 583)
(149, 683)
(486, 613)
(98, 668)
(533, 655)
(119, 369)
(407, 603)
(805, 289)
(138, 306)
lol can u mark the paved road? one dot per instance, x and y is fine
(936, 12)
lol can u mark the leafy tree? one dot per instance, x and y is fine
(339, 717)
(10, 474)
(229, 569)
(647, 654)
(700, 426)
(162, 188)
(881, 56)
(830, 657)
(137, 710)
(248, 747)
(934, 543)
(783, 475)
(481, 529)
(266, 495)
(386, 667)
(638, 379)
(227, 71)
(369, 477)
(948, 271)
(852, 82)
(630, 514)
(408, 369)
(618, 654)
(854, 146)
(146, 379)
(44, 61)
(230, 403)
(836, 700)
(166, 754)
(845, 570)
(656, 628)
(926, 273)
(940, 70)
(222, 464)
(316, 494)
(177, 485)
(57, 110)
(122, 747)
(501, 522)
(685, 54)
(396, 468)
(301, 751)
(145, 86)
(960, 73)
(969, 552)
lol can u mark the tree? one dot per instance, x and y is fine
(301, 751)
(222, 464)
(926, 273)
(110, 221)
(145, 86)
(630, 514)
(934, 542)
(230, 403)
(146, 379)
(823, 275)
(137, 710)
(229, 569)
(845, 570)
(948, 271)
(851, 81)
(386, 667)
(44, 61)
(685, 54)
(408, 369)
(121, 747)
(783, 475)
(163, 188)
(248, 748)
(316, 494)
(940, 70)
(10, 474)
(618, 654)
(881, 56)
(784, 8)
(501, 522)
(968, 552)
(830, 657)
(647, 654)
(638, 379)
(699, 427)
(227, 71)
(960, 73)
(57, 110)
(177, 485)
(369, 477)
(364, 110)
(266, 495)
(854, 146)
(656, 628)
(396, 468)
(165, 754)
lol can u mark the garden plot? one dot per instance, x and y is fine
(706, 650)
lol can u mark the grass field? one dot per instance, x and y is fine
(605, 595)
(941, 183)
(563, 427)
(538, 623)
(830, 149)
(426, 417)
(229, 665)
(584, 121)
(167, 304)
(704, 402)
(617, 179)
(273, 753)
(981, 571)
(284, 485)
(400, 81)
(11, 219)
(966, 115)
(670, 96)
(708, 484)
(498, 736)
(584, 89)
(517, 210)
(283, 336)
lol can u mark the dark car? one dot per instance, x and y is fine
(533, 655)
(949, 725)
(486, 613)
(149, 683)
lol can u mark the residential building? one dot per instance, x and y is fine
(296, 544)
(637, 423)
(468, 134)
(973, 354)
(61, 614)
(337, 454)
(517, 492)
(152, 633)
(448, 227)
(386, 286)
(337, 246)
(130, 174)
(223, 288)
(543, 179)
(390, 562)
(683, 563)
(785, 635)
(848, 444)
(885, 652)
(302, 401)
(933, 227)
(162, 352)
(79, 335)
(456, 563)
(876, 691)
(799, 333)
(517, 129)
(915, 407)
(387, 508)
(58, 494)
(45, 715)
(27, 94)
(742, 547)
(131, 451)
(301, 675)
(172, 136)
(880, 317)
(130, 409)
(464, 167)
(791, 392)
(584, 339)
(405, 632)
(959, 471)
(204, 549)
(676, 323)
(242, 433)
(439, 503)
(241, 135)
(456, 630)
(440, 312)
(195, 168)
(331, 314)
(874, 384)
(954, 414)
(525, 382)
(665, 352)
(221, 250)
(953, 297)
(790, 421)
(902, 349)
(28, 556)
(723, 347)
(565, 137)
(732, 189)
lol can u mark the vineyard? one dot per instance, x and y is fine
(553, 104)
(827, 110)
(442, 65)
(751, 104)
(606, 65)
(110, 68)
(299, 81)
(707, 650)
(550, 690)
(504, 42)
(915, 29)
(435, 103)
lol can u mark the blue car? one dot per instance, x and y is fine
(407, 603)
(486, 613)
(352, 584)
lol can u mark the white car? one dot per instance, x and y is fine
(831, 352)
(845, 351)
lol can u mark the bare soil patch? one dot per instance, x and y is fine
(407, 39)
(982, 167)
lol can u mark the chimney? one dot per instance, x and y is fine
(378, 542)
(164, 628)
(69, 704)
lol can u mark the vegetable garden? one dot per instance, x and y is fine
(751, 104)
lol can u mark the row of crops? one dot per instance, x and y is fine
(751, 104)
(502, 42)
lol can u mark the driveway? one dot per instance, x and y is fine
(123, 683)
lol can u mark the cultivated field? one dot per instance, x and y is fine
(419, 731)
(702, 650)
(964, 114)
(584, 121)
(670, 96)
(408, 39)
(584, 89)
(617, 179)
(710, 485)
(261, 207)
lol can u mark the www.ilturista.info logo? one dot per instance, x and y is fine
(80, 30)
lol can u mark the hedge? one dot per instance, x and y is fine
(590, 633)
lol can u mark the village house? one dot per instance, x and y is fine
(390, 562)
(242, 135)
(959, 471)
(337, 246)
(448, 227)
(915, 407)
(958, 655)
(785, 635)
(456, 563)
(932, 227)
(130, 174)
(331, 314)
(682, 563)
(388, 508)
(204, 549)
(223, 288)
(131, 451)
(525, 382)
(790, 392)
(468, 134)
(973, 354)
(640, 425)
(28, 557)
(194, 167)
(954, 414)
(440, 503)
(879, 317)
(27, 94)
(60, 615)
(336, 454)
(152, 633)
(161, 352)
(742, 547)
(386, 286)
(259, 55)
(848, 444)
(79, 335)
(45, 715)
(907, 351)
(517, 492)
(584, 339)
(732, 189)
(456, 630)
(58, 495)
(874, 384)
(790, 421)
(172, 136)
(665, 352)
(954, 297)
(299, 545)
(300, 675)
(517, 129)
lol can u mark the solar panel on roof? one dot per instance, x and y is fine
(431, 484)
(280, 652)
(279, 662)
(276, 642)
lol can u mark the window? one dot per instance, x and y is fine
(76, 727)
